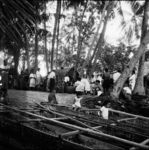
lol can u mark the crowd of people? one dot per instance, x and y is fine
(99, 83)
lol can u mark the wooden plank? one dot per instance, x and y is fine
(142, 143)
(29, 120)
(88, 131)
(60, 118)
(133, 115)
(67, 134)
(97, 127)
(126, 119)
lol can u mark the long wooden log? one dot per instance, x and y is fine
(142, 143)
(129, 114)
(89, 131)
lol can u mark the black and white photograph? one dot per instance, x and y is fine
(74, 75)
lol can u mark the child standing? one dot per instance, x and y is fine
(77, 101)
(104, 110)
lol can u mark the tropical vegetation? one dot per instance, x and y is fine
(84, 34)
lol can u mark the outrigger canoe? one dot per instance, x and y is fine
(42, 128)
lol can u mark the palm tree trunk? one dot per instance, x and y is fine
(57, 36)
(54, 33)
(36, 46)
(45, 39)
(16, 59)
(139, 87)
(23, 67)
(27, 52)
(80, 38)
(120, 82)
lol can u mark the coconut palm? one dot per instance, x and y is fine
(136, 57)
(54, 31)
(14, 14)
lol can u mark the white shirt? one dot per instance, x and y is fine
(99, 78)
(51, 75)
(105, 112)
(116, 76)
(66, 79)
(79, 86)
(99, 93)
(86, 84)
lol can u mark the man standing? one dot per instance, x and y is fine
(38, 79)
(51, 81)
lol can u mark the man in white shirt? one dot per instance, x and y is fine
(52, 75)
(51, 81)
(80, 87)
(105, 110)
(86, 83)
(32, 80)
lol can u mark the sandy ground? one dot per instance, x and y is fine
(29, 96)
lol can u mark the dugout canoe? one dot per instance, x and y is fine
(29, 130)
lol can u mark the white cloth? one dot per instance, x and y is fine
(86, 84)
(127, 90)
(66, 79)
(132, 81)
(77, 102)
(105, 112)
(116, 75)
(99, 93)
(32, 82)
(51, 75)
(79, 86)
